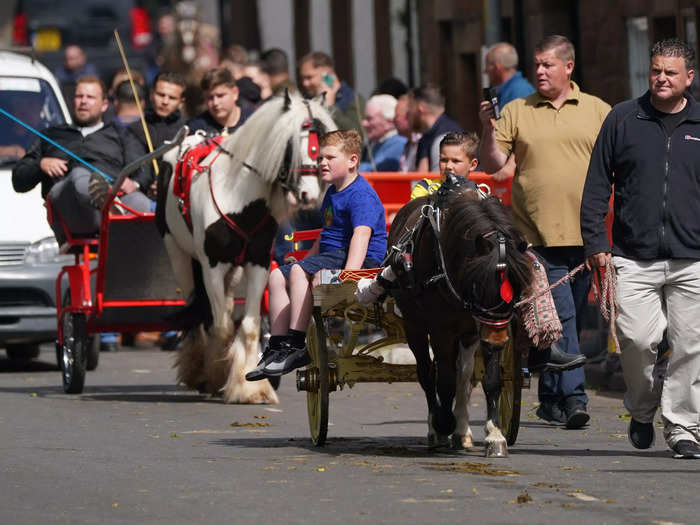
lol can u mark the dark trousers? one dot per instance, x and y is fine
(570, 300)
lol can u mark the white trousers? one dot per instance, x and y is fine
(655, 296)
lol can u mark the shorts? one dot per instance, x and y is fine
(331, 260)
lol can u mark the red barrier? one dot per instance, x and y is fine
(394, 189)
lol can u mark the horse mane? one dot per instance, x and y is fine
(262, 140)
(471, 255)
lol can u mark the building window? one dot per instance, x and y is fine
(638, 53)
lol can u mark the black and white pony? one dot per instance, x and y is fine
(468, 269)
(242, 190)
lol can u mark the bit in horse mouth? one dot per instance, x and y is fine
(494, 336)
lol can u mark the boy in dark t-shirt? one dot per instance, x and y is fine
(353, 236)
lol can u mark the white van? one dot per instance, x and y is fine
(29, 258)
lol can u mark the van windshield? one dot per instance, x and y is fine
(33, 102)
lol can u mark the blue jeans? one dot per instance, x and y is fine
(570, 299)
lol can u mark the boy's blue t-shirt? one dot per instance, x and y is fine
(356, 205)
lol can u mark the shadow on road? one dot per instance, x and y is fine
(123, 393)
(8, 366)
(386, 446)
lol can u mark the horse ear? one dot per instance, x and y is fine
(287, 99)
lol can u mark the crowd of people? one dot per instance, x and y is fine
(567, 149)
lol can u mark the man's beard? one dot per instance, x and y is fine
(88, 122)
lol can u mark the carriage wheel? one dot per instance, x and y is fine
(317, 395)
(74, 352)
(509, 403)
(93, 352)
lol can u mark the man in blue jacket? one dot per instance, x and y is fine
(502, 69)
(649, 149)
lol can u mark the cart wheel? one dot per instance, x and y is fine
(509, 403)
(93, 352)
(317, 400)
(74, 352)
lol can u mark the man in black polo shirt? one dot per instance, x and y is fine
(426, 109)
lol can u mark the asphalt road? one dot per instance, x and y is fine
(135, 448)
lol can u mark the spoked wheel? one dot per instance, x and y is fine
(317, 376)
(74, 352)
(509, 403)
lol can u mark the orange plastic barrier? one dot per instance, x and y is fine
(394, 189)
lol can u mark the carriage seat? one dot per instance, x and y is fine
(67, 242)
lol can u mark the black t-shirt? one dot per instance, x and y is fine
(672, 120)
(442, 125)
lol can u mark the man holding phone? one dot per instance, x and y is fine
(551, 133)
(317, 75)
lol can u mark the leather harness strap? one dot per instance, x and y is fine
(246, 236)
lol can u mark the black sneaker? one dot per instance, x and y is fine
(551, 413)
(576, 415)
(641, 435)
(286, 359)
(554, 360)
(257, 374)
(686, 449)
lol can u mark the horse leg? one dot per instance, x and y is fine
(492, 382)
(243, 352)
(462, 437)
(444, 349)
(189, 359)
(418, 343)
(217, 281)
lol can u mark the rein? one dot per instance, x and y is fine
(603, 291)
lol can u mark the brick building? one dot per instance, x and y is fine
(612, 39)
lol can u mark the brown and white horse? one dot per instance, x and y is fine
(244, 188)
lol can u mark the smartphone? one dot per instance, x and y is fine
(328, 79)
(491, 94)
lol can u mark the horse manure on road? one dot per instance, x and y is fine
(468, 466)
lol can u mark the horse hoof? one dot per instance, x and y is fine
(496, 449)
(462, 442)
(438, 441)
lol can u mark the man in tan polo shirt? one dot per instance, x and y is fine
(551, 133)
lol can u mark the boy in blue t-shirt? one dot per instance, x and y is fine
(353, 237)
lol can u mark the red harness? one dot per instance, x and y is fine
(186, 167)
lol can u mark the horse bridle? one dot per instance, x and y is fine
(290, 178)
(498, 315)
(287, 177)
